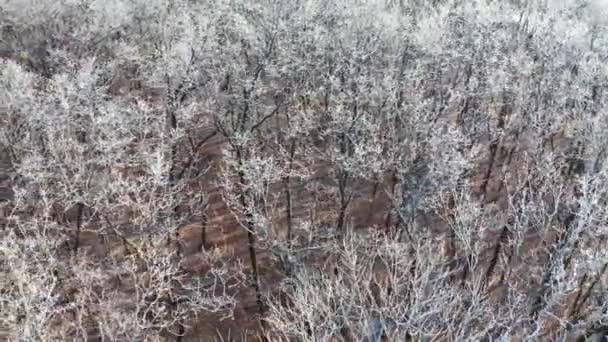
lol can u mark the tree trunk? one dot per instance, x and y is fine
(287, 182)
(251, 238)
(172, 126)
(79, 210)
(344, 201)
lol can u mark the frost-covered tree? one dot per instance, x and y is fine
(384, 169)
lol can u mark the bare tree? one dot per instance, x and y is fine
(390, 169)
